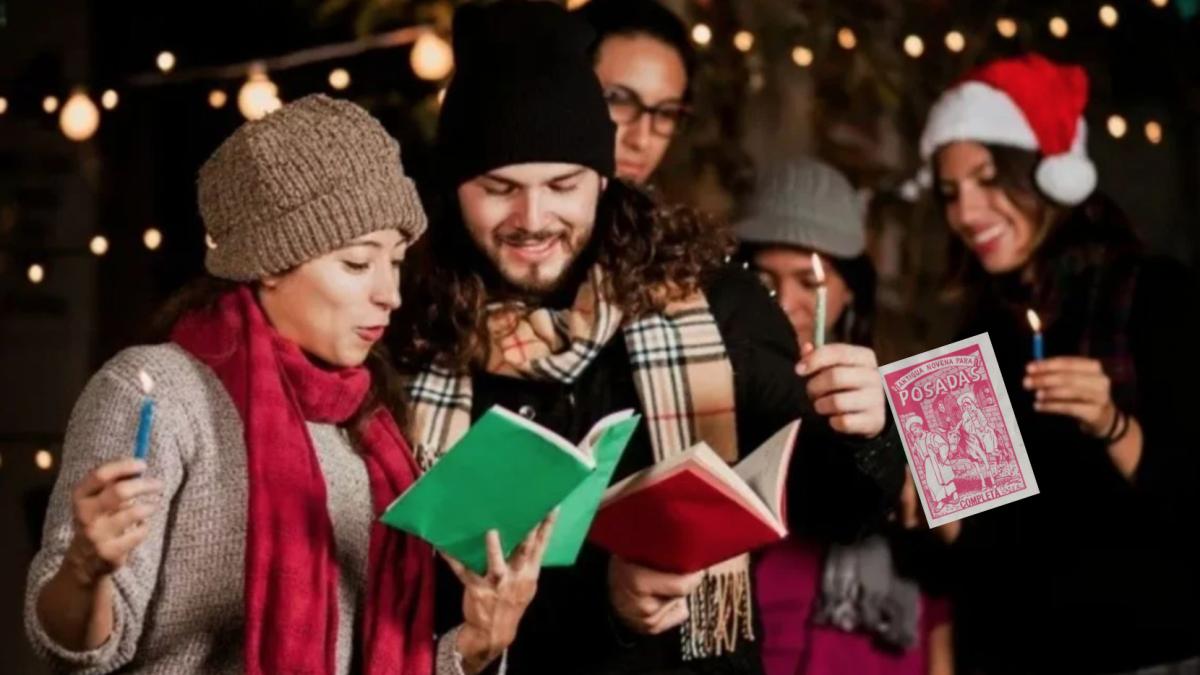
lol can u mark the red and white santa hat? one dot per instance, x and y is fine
(1028, 102)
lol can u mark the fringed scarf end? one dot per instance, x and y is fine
(720, 615)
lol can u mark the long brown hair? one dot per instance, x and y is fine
(1081, 273)
(1092, 231)
(203, 293)
(644, 246)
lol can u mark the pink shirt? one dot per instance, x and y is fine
(787, 585)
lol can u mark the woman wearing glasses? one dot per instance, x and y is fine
(645, 62)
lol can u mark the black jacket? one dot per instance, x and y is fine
(837, 485)
(1096, 573)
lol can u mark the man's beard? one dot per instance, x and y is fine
(535, 281)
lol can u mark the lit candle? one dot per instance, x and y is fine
(1039, 348)
(146, 419)
(819, 316)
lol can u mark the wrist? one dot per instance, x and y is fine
(475, 648)
(1106, 426)
(77, 571)
(1121, 428)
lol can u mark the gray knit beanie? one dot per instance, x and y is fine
(299, 183)
(806, 203)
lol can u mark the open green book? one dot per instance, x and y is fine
(508, 473)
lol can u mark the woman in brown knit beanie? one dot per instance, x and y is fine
(248, 538)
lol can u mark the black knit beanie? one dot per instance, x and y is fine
(523, 91)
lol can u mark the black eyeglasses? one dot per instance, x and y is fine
(626, 107)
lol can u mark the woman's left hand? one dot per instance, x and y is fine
(494, 603)
(1075, 387)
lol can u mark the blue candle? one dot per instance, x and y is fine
(145, 419)
(1039, 346)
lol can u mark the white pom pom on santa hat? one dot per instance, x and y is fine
(1067, 178)
(1026, 102)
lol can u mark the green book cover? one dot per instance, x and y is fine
(507, 473)
(606, 443)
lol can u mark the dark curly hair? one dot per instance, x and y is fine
(628, 18)
(644, 246)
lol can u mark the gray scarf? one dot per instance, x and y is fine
(861, 592)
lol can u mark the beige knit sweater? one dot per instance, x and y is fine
(179, 604)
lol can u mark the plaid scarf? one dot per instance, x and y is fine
(684, 381)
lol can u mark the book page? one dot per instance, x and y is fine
(703, 461)
(655, 472)
(609, 440)
(587, 445)
(765, 469)
(568, 447)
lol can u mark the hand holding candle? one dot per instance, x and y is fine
(1039, 347)
(822, 300)
(146, 418)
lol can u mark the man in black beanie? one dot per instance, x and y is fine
(564, 294)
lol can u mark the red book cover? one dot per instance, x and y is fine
(693, 511)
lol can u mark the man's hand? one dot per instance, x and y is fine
(648, 601)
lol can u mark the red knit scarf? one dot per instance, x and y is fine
(291, 578)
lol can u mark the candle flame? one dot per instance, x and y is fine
(146, 381)
(818, 269)
(1034, 321)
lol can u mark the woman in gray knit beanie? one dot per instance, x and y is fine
(247, 538)
(830, 606)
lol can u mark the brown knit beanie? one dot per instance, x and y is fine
(299, 183)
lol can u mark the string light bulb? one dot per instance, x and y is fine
(152, 238)
(259, 96)
(1006, 27)
(1109, 16)
(1117, 126)
(339, 78)
(1159, 3)
(98, 245)
(1154, 132)
(955, 41)
(80, 118)
(36, 274)
(3, 105)
(431, 57)
(217, 98)
(743, 40)
(846, 38)
(914, 46)
(165, 61)
(802, 56)
(43, 459)
(50, 104)
(701, 34)
(1059, 27)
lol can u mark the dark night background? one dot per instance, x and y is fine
(860, 109)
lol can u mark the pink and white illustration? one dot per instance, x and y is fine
(959, 433)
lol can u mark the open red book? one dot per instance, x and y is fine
(692, 511)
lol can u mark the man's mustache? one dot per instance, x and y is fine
(520, 237)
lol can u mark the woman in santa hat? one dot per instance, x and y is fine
(1098, 573)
